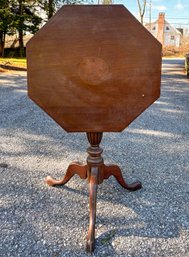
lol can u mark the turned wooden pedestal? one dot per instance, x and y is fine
(95, 171)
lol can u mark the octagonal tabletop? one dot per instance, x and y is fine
(93, 68)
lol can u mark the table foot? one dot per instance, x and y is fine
(93, 185)
(74, 168)
(114, 170)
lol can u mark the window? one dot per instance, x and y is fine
(167, 28)
(172, 37)
(154, 28)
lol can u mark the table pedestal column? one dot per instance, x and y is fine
(95, 171)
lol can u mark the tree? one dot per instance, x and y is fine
(184, 48)
(6, 23)
(25, 19)
(23, 16)
(105, 2)
(51, 6)
(142, 9)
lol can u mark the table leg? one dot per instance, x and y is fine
(74, 168)
(93, 185)
(114, 170)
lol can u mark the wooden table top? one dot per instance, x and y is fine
(93, 68)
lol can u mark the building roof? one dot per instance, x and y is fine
(147, 25)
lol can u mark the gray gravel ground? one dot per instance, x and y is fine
(37, 220)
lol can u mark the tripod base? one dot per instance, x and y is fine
(81, 170)
(95, 171)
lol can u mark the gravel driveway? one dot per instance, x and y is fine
(37, 220)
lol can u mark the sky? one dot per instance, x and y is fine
(176, 11)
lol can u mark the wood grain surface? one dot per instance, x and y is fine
(93, 68)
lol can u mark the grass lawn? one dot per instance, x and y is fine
(15, 62)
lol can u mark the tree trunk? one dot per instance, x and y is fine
(142, 19)
(50, 8)
(2, 43)
(21, 43)
(20, 29)
(142, 8)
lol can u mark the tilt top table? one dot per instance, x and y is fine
(93, 69)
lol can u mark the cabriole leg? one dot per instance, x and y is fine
(114, 170)
(92, 205)
(74, 168)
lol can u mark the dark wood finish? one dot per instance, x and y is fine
(95, 171)
(93, 68)
(94, 158)
(74, 168)
(93, 185)
(114, 170)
